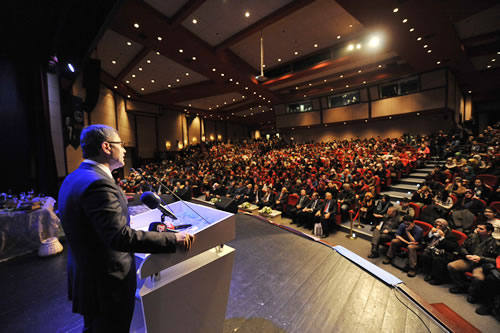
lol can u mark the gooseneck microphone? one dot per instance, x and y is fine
(170, 191)
(153, 201)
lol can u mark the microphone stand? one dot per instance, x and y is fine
(171, 192)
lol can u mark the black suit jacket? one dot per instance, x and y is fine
(95, 219)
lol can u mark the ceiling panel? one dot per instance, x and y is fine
(253, 111)
(163, 71)
(482, 23)
(217, 20)
(214, 102)
(115, 53)
(482, 63)
(166, 7)
(316, 24)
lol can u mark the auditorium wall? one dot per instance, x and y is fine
(413, 124)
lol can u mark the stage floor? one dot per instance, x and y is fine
(281, 282)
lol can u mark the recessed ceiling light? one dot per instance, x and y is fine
(140, 69)
(142, 89)
(379, 66)
(230, 80)
(213, 69)
(412, 29)
(177, 80)
(254, 93)
(113, 62)
(159, 38)
(315, 45)
(366, 120)
(237, 82)
(310, 84)
(338, 37)
(358, 46)
(243, 96)
(129, 43)
(470, 91)
(364, 82)
(395, 10)
(225, 103)
(247, 14)
(374, 41)
(350, 47)
(419, 38)
(296, 88)
(246, 88)
(279, 59)
(116, 87)
(498, 52)
(187, 74)
(136, 25)
(359, 71)
(221, 74)
(264, 66)
(194, 58)
(345, 123)
(489, 66)
(390, 117)
(195, 21)
(350, 25)
(181, 50)
(152, 81)
(493, 60)
(189, 105)
(127, 81)
(157, 53)
(170, 86)
(426, 46)
(429, 51)
(341, 76)
(210, 108)
(331, 89)
(347, 86)
(133, 75)
(305, 95)
(296, 52)
(418, 113)
(438, 62)
(405, 20)
(324, 80)
(148, 61)
(128, 96)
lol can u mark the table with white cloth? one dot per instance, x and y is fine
(23, 231)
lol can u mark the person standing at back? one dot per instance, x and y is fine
(95, 219)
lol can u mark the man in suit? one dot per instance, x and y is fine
(326, 214)
(306, 215)
(95, 219)
(294, 211)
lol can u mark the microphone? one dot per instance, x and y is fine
(153, 201)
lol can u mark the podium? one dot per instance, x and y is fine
(188, 291)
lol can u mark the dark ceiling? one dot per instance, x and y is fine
(202, 56)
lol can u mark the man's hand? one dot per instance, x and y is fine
(473, 258)
(184, 240)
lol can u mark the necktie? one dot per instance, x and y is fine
(326, 206)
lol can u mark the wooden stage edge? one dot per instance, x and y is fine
(445, 316)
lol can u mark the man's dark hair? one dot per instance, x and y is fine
(489, 226)
(91, 138)
(408, 218)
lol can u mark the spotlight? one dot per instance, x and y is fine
(350, 47)
(71, 68)
(374, 41)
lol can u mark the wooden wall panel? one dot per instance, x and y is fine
(425, 100)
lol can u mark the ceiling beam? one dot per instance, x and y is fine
(134, 62)
(185, 11)
(264, 23)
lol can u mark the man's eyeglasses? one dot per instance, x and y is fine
(122, 143)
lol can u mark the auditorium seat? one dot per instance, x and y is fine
(496, 206)
(416, 208)
(488, 179)
(461, 237)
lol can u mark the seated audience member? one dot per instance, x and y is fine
(346, 199)
(249, 193)
(490, 217)
(267, 198)
(306, 215)
(404, 208)
(294, 211)
(441, 242)
(216, 191)
(466, 210)
(384, 231)
(367, 207)
(231, 189)
(326, 214)
(478, 249)
(480, 190)
(238, 193)
(408, 235)
(456, 187)
(422, 196)
(488, 292)
(441, 206)
(334, 190)
(381, 208)
(346, 176)
(281, 199)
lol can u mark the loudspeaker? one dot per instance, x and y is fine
(91, 80)
(227, 205)
(184, 194)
